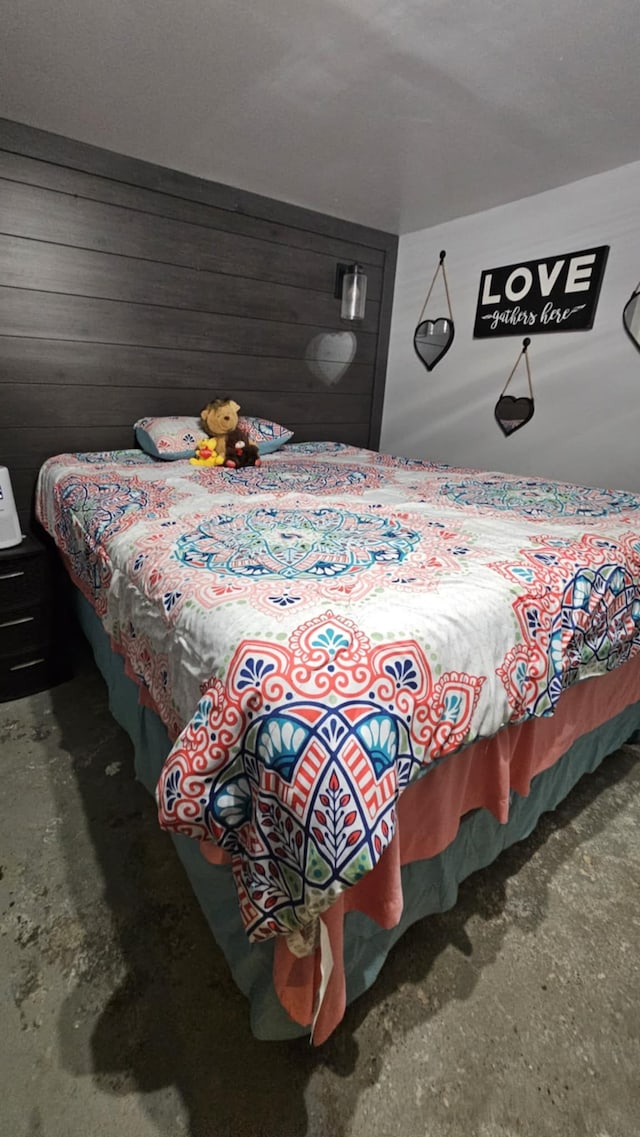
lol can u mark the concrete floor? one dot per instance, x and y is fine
(514, 1015)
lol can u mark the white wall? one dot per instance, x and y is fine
(586, 426)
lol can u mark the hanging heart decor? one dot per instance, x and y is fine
(432, 339)
(511, 414)
(631, 317)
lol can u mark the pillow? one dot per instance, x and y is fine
(168, 438)
(175, 437)
(268, 436)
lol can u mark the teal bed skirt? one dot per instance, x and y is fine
(429, 886)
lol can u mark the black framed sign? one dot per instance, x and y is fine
(554, 294)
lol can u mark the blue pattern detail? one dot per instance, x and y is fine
(285, 600)
(404, 673)
(232, 803)
(279, 743)
(108, 457)
(299, 477)
(538, 499)
(90, 512)
(290, 544)
(379, 735)
(317, 447)
(170, 599)
(598, 623)
(253, 672)
(173, 788)
(332, 639)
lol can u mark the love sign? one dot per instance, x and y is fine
(557, 294)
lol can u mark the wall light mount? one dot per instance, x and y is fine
(351, 290)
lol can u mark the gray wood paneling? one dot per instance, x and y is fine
(76, 363)
(127, 290)
(50, 315)
(79, 272)
(45, 407)
(67, 152)
(24, 449)
(43, 215)
(29, 171)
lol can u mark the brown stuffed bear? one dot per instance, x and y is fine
(220, 420)
(239, 451)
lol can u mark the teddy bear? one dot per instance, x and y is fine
(218, 419)
(227, 444)
(240, 452)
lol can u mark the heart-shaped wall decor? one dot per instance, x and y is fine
(432, 339)
(329, 355)
(631, 317)
(512, 413)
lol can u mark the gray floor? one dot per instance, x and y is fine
(515, 1014)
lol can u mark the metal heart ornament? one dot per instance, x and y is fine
(432, 340)
(511, 414)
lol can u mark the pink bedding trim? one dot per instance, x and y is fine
(145, 698)
(429, 814)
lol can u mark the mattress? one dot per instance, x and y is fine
(319, 633)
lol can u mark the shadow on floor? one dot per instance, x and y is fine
(155, 1011)
(483, 903)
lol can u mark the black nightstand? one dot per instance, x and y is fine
(30, 658)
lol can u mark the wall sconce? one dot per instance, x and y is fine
(351, 290)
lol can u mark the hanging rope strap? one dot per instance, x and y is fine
(525, 345)
(442, 269)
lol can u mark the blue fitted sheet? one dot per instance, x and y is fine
(429, 886)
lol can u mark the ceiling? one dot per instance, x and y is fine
(399, 114)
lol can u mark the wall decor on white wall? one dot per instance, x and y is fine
(586, 424)
(553, 294)
(433, 337)
(513, 413)
(631, 317)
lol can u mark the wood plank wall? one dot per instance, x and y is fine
(127, 289)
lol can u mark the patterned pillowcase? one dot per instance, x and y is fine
(175, 437)
(168, 438)
(268, 436)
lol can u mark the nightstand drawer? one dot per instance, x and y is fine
(33, 633)
(22, 582)
(26, 674)
(20, 631)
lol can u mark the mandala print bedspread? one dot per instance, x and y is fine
(316, 631)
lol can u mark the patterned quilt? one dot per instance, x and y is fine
(317, 631)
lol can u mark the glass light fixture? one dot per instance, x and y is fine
(352, 291)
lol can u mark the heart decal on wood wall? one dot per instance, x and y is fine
(512, 413)
(329, 356)
(432, 339)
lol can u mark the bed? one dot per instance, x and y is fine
(350, 679)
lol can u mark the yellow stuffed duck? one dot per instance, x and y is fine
(206, 454)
